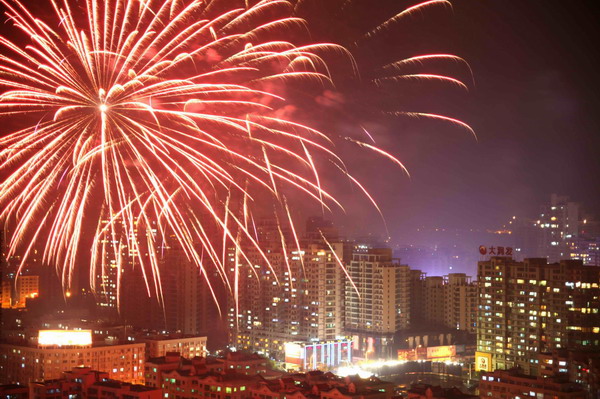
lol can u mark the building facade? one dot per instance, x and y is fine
(558, 222)
(82, 382)
(289, 295)
(460, 302)
(526, 308)
(21, 364)
(187, 346)
(502, 384)
(377, 300)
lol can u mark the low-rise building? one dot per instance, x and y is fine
(316, 384)
(187, 346)
(14, 391)
(239, 362)
(122, 390)
(187, 384)
(83, 382)
(55, 354)
(425, 391)
(195, 382)
(73, 382)
(508, 384)
(581, 367)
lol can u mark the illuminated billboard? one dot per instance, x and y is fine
(483, 361)
(65, 338)
(441, 352)
(293, 353)
(316, 355)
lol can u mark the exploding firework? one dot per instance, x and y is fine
(158, 123)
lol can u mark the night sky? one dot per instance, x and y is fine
(533, 107)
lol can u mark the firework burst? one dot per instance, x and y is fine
(154, 123)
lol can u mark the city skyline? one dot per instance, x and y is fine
(291, 199)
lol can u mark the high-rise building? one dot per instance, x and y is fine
(434, 305)
(26, 287)
(561, 230)
(185, 303)
(6, 294)
(417, 297)
(449, 301)
(296, 296)
(26, 278)
(16, 292)
(529, 307)
(557, 222)
(177, 300)
(460, 302)
(377, 300)
(116, 260)
(317, 228)
(587, 249)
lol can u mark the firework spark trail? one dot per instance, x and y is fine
(164, 111)
(406, 13)
(422, 59)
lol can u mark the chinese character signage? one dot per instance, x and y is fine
(441, 352)
(495, 251)
(483, 361)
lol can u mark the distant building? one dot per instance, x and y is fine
(186, 305)
(417, 297)
(560, 230)
(15, 293)
(587, 249)
(557, 222)
(317, 228)
(526, 308)
(443, 301)
(434, 296)
(123, 285)
(6, 294)
(114, 260)
(26, 287)
(513, 383)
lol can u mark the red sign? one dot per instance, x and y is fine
(495, 251)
